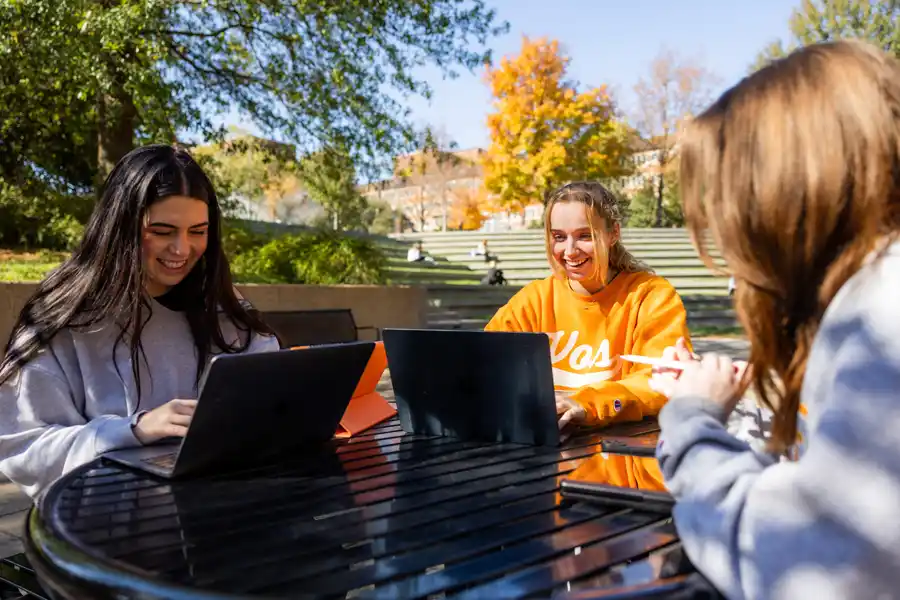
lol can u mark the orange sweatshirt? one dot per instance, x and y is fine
(637, 313)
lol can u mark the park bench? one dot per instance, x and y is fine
(312, 327)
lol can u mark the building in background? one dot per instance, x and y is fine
(423, 189)
(645, 155)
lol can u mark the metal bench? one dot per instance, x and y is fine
(17, 579)
(313, 327)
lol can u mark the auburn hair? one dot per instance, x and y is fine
(795, 173)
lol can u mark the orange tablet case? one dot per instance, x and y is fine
(367, 407)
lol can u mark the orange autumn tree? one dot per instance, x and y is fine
(468, 208)
(544, 131)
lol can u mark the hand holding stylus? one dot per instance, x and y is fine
(668, 370)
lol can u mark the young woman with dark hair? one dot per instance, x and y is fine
(109, 350)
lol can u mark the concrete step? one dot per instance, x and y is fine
(476, 236)
(448, 267)
(662, 269)
(454, 290)
(650, 256)
(698, 273)
(481, 323)
(538, 246)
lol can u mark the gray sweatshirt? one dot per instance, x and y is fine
(70, 404)
(828, 524)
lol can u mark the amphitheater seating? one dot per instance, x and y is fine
(457, 301)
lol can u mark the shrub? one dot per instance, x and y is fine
(238, 238)
(319, 257)
(42, 218)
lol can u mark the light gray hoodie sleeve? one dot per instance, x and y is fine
(824, 526)
(43, 434)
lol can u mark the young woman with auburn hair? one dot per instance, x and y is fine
(795, 173)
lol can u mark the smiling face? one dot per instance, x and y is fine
(175, 235)
(575, 249)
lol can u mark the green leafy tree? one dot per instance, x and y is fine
(260, 171)
(329, 178)
(379, 218)
(824, 20)
(642, 208)
(91, 78)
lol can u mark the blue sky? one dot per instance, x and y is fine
(610, 42)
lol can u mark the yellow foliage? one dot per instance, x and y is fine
(468, 208)
(544, 131)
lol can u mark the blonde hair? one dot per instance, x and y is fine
(600, 206)
(795, 172)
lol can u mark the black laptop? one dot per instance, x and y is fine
(474, 385)
(255, 406)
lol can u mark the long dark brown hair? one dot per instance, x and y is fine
(103, 280)
(795, 172)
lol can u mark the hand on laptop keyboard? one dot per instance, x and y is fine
(166, 461)
(169, 420)
(569, 411)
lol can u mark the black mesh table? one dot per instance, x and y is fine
(384, 515)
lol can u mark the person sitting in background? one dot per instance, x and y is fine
(600, 302)
(109, 351)
(494, 276)
(416, 254)
(482, 250)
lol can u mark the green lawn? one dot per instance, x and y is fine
(18, 265)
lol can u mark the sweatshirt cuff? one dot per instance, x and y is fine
(114, 433)
(602, 409)
(680, 408)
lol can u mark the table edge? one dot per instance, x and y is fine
(66, 569)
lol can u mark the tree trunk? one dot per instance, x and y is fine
(117, 117)
(659, 201)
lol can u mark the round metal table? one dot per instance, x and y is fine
(383, 515)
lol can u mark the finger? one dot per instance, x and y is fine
(710, 361)
(181, 420)
(670, 353)
(184, 407)
(726, 365)
(690, 369)
(684, 353)
(173, 430)
(566, 418)
(662, 384)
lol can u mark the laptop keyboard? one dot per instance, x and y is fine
(165, 461)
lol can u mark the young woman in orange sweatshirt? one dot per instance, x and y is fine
(599, 303)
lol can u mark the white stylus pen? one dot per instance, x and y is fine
(654, 362)
(658, 362)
